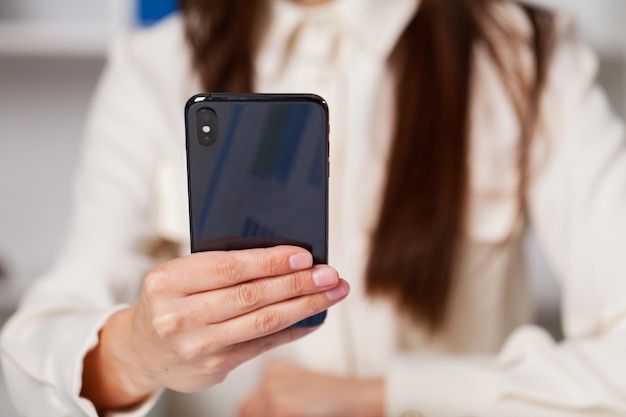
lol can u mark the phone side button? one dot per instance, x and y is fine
(328, 168)
(328, 145)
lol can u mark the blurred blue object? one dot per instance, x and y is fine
(151, 11)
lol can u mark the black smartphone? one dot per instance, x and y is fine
(257, 167)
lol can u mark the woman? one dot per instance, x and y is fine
(455, 126)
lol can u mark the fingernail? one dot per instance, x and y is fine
(338, 292)
(300, 261)
(324, 277)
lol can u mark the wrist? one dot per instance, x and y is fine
(371, 397)
(112, 375)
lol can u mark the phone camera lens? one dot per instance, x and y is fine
(206, 127)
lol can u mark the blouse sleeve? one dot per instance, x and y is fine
(577, 203)
(101, 266)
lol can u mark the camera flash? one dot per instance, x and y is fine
(206, 129)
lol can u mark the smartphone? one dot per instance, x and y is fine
(257, 167)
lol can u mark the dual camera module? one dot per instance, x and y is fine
(206, 127)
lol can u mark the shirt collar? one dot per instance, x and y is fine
(375, 25)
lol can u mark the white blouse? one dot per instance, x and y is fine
(487, 361)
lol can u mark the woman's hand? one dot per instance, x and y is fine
(288, 390)
(200, 316)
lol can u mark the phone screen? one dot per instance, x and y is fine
(258, 173)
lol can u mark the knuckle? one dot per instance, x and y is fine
(156, 281)
(189, 351)
(298, 282)
(267, 322)
(248, 295)
(218, 365)
(229, 269)
(272, 263)
(166, 325)
(219, 378)
(313, 304)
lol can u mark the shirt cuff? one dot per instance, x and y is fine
(441, 386)
(139, 411)
(75, 364)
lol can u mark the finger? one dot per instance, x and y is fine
(281, 367)
(218, 269)
(252, 406)
(226, 303)
(256, 404)
(276, 317)
(245, 351)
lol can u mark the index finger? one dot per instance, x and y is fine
(205, 271)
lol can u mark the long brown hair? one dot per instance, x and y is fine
(418, 236)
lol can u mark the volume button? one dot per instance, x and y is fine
(328, 141)
(328, 152)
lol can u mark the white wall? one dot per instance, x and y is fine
(600, 21)
(42, 109)
(104, 13)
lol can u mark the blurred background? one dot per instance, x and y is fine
(51, 55)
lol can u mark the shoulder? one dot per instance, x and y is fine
(570, 57)
(158, 55)
(166, 37)
(572, 66)
(152, 67)
(147, 80)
